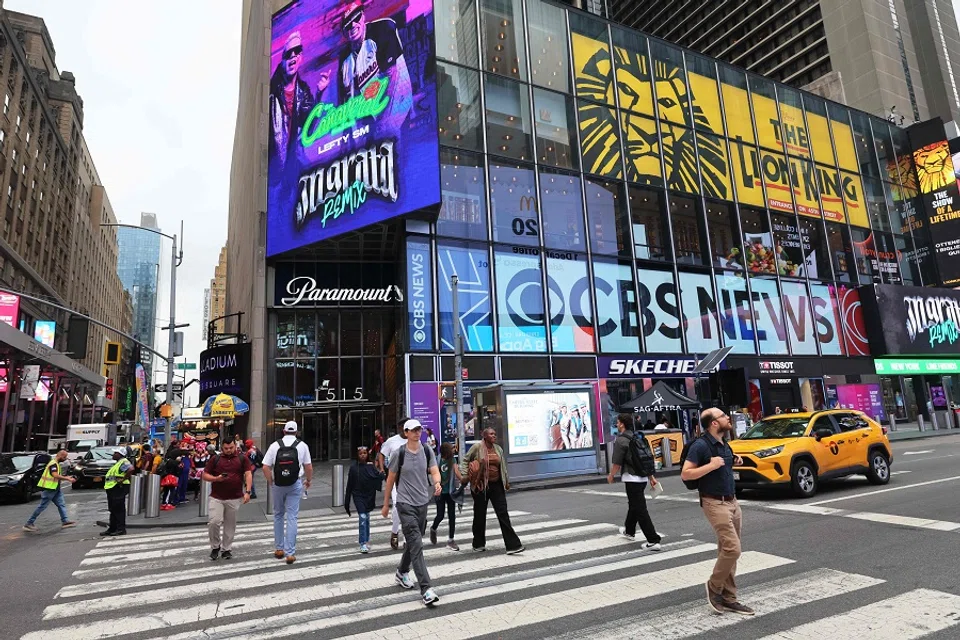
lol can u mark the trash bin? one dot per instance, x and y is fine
(204, 498)
(336, 484)
(152, 509)
(134, 497)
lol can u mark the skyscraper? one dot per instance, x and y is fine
(139, 268)
(893, 58)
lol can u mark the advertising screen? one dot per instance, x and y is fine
(9, 308)
(861, 397)
(352, 118)
(912, 320)
(937, 180)
(538, 422)
(44, 332)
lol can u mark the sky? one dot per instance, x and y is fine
(159, 82)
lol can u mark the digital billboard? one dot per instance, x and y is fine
(44, 331)
(352, 118)
(539, 422)
(9, 308)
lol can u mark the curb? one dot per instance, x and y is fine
(922, 435)
(163, 525)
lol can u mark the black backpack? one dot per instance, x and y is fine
(286, 469)
(640, 457)
(693, 485)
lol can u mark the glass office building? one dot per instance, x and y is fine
(138, 264)
(613, 207)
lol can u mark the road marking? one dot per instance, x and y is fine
(693, 618)
(885, 518)
(295, 574)
(505, 616)
(618, 494)
(949, 455)
(483, 569)
(916, 453)
(914, 614)
(279, 626)
(260, 564)
(901, 472)
(867, 494)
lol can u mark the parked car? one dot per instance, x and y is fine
(19, 473)
(92, 468)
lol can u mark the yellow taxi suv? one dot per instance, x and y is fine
(798, 450)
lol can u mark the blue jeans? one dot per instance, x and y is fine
(364, 519)
(286, 507)
(46, 497)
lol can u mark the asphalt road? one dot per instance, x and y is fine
(853, 561)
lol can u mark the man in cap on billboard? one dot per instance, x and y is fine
(290, 101)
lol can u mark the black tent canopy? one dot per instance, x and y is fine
(660, 397)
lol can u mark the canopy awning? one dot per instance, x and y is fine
(39, 351)
(660, 397)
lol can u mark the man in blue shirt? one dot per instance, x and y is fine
(710, 461)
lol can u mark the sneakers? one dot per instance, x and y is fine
(714, 600)
(215, 553)
(479, 549)
(433, 536)
(364, 548)
(650, 546)
(430, 598)
(68, 524)
(513, 552)
(625, 535)
(736, 607)
(32, 528)
(106, 533)
(404, 580)
(226, 555)
(279, 554)
(394, 541)
(291, 559)
(452, 545)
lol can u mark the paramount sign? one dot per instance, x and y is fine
(303, 290)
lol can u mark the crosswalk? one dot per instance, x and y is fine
(577, 579)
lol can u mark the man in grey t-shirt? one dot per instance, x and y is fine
(408, 472)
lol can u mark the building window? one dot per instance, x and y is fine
(548, 46)
(555, 129)
(607, 220)
(456, 31)
(689, 234)
(463, 204)
(648, 213)
(513, 203)
(561, 207)
(520, 302)
(501, 23)
(458, 98)
(508, 119)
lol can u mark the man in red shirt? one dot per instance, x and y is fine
(231, 478)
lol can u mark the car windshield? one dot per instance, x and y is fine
(777, 428)
(81, 445)
(102, 453)
(15, 464)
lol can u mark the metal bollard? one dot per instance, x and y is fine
(152, 509)
(893, 424)
(920, 421)
(269, 499)
(933, 419)
(204, 497)
(134, 497)
(336, 485)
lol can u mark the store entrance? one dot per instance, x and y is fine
(335, 433)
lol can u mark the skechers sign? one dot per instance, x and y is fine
(633, 367)
(912, 320)
(352, 118)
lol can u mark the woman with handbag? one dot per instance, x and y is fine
(450, 480)
(486, 467)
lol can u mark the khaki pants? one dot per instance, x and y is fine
(222, 512)
(725, 518)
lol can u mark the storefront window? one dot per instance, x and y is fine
(800, 322)
(888, 258)
(689, 234)
(372, 380)
(463, 204)
(908, 267)
(571, 329)
(758, 247)
(285, 373)
(618, 324)
(562, 207)
(548, 46)
(591, 58)
(520, 302)
(659, 311)
(700, 312)
(513, 202)
(458, 107)
(816, 264)
(508, 119)
(768, 316)
(471, 264)
(305, 382)
(306, 340)
(788, 249)
(865, 256)
(286, 334)
(607, 218)
(838, 242)
(351, 336)
(877, 204)
(501, 25)
(456, 31)
(327, 329)
(650, 228)
(736, 321)
(723, 230)
(555, 125)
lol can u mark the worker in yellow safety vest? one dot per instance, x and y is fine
(117, 484)
(49, 485)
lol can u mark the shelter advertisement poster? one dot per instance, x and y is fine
(352, 118)
(538, 422)
(143, 405)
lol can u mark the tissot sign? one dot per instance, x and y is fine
(912, 320)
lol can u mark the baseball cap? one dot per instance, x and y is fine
(350, 12)
(290, 427)
(412, 424)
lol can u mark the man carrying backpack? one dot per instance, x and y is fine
(708, 468)
(288, 467)
(632, 454)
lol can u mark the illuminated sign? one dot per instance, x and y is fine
(902, 367)
(44, 331)
(303, 289)
(912, 320)
(9, 308)
(352, 124)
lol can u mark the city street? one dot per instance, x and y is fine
(855, 561)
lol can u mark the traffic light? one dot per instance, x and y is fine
(108, 390)
(111, 353)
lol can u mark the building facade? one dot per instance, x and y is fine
(138, 264)
(873, 56)
(613, 207)
(218, 292)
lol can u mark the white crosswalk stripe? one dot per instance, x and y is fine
(561, 586)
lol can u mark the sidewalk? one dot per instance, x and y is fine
(912, 432)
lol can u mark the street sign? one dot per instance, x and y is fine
(184, 366)
(161, 387)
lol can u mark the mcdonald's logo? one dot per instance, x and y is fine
(527, 203)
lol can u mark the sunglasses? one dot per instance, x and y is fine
(290, 53)
(352, 21)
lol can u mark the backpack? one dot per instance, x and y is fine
(257, 458)
(639, 456)
(693, 485)
(286, 470)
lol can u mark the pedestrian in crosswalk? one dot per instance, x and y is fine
(415, 488)
(363, 482)
(391, 446)
(231, 477)
(287, 466)
(634, 481)
(710, 462)
(486, 467)
(117, 485)
(50, 491)
(450, 479)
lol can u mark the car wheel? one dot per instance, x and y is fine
(879, 472)
(804, 479)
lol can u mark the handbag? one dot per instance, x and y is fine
(169, 480)
(477, 481)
